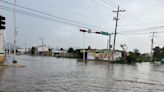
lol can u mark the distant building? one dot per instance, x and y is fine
(59, 53)
(100, 54)
(23, 50)
(44, 50)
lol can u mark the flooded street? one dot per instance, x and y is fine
(50, 74)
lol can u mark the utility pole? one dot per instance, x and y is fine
(15, 33)
(107, 44)
(152, 43)
(25, 47)
(42, 44)
(116, 25)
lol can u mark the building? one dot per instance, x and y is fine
(44, 50)
(23, 50)
(101, 54)
(2, 50)
(59, 53)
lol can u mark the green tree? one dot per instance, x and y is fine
(157, 53)
(33, 49)
(135, 56)
(61, 49)
(162, 53)
(89, 47)
(136, 52)
(70, 50)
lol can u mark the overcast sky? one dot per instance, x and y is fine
(92, 14)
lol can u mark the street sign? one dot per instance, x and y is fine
(104, 33)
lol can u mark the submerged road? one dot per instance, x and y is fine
(50, 74)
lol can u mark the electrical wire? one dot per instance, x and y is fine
(130, 16)
(144, 29)
(70, 11)
(50, 15)
(26, 13)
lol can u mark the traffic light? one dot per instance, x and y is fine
(2, 22)
(98, 32)
(82, 30)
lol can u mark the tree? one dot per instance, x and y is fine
(136, 52)
(33, 49)
(70, 50)
(89, 47)
(134, 56)
(157, 55)
(61, 49)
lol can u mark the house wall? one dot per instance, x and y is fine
(103, 56)
(40, 49)
(1, 41)
(2, 51)
(2, 58)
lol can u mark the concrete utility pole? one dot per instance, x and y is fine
(109, 42)
(152, 43)
(116, 25)
(42, 44)
(25, 47)
(15, 33)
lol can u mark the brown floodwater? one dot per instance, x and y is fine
(50, 74)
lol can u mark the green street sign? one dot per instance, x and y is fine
(104, 33)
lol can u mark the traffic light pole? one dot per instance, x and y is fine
(89, 31)
(83, 46)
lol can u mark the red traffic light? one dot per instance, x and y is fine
(82, 30)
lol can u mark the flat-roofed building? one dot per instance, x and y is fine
(2, 51)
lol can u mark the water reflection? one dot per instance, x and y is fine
(2, 70)
(49, 74)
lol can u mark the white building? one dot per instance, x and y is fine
(2, 50)
(43, 48)
(23, 50)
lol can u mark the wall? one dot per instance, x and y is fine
(1, 41)
(103, 56)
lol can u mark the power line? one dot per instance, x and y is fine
(143, 29)
(67, 10)
(26, 13)
(101, 5)
(50, 15)
(130, 18)
(38, 16)
(151, 10)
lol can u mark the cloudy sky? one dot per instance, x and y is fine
(60, 21)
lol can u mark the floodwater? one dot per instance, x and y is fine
(50, 74)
